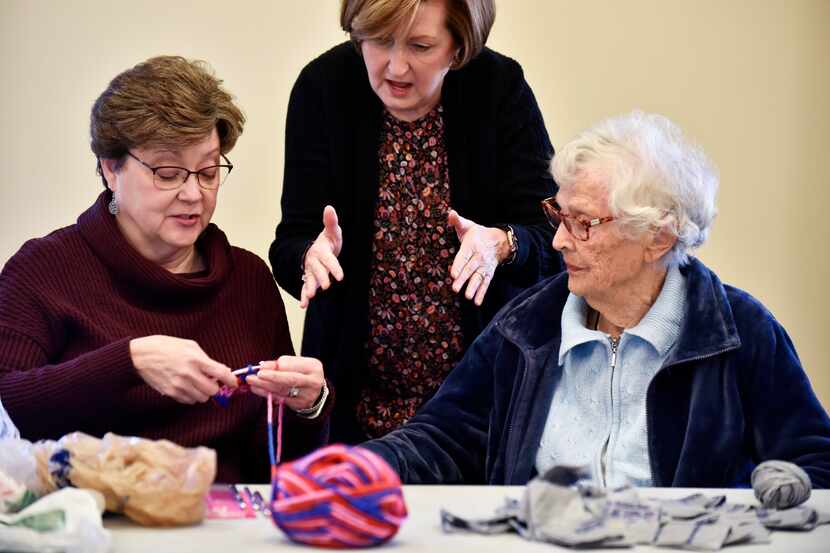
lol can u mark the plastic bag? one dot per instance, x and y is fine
(155, 483)
(67, 521)
(13, 495)
(18, 461)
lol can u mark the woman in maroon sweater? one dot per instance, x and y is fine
(129, 320)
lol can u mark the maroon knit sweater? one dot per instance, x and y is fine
(71, 302)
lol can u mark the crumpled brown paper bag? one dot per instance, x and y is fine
(153, 482)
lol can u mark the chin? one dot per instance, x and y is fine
(396, 104)
(574, 290)
(183, 240)
(577, 288)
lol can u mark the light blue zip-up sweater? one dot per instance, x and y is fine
(597, 416)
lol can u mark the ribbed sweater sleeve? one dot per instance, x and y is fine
(36, 392)
(32, 334)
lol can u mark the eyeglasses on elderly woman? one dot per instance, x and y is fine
(578, 226)
(170, 177)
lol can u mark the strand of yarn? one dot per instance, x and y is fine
(338, 497)
(279, 431)
(274, 457)
(780, 485)
(223, 396)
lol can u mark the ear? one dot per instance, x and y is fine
(109, 168)
(661, 243)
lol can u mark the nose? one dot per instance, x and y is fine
(398, 61)
(562, 239)
(190, 190)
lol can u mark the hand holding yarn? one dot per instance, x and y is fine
(338, 497)
(780, 485)
(179, 368)
(296, 380)
(321, 258)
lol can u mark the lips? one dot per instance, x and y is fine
(187, 219)
(398, 88)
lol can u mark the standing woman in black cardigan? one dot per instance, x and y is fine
(415, 162)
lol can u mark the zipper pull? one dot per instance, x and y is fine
(615, 342)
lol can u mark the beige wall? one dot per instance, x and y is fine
(749, 79)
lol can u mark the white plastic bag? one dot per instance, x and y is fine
(66, 521)
(7, 427)
(19, 461)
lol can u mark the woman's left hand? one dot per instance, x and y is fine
(482, 249)
(290, 372)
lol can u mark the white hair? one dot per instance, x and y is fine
(654, 177)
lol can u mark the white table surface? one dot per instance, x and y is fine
(422, 529)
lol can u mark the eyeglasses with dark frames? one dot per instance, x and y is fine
(578, 226)
(170, 177)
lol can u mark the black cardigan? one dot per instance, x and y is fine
(499, 152)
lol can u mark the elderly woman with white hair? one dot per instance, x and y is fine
(637, 361)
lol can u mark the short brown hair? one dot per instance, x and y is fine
(468, 21)
(164, 101)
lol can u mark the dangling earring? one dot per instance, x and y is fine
(113, 206)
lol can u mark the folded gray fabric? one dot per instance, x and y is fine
(705, 535)
(496, 525)
(747, 531)
(691, 506)
(562, 508)
(797, 518)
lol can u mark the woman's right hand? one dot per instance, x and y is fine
(179, 368)
(321, 258)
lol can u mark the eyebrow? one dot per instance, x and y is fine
(576, 211)
(177, 153)
(163, 151)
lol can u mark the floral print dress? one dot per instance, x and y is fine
(415, 335)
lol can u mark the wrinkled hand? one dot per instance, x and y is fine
(289, 371)
(179, 368)
(482, 249)
(321, 258)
